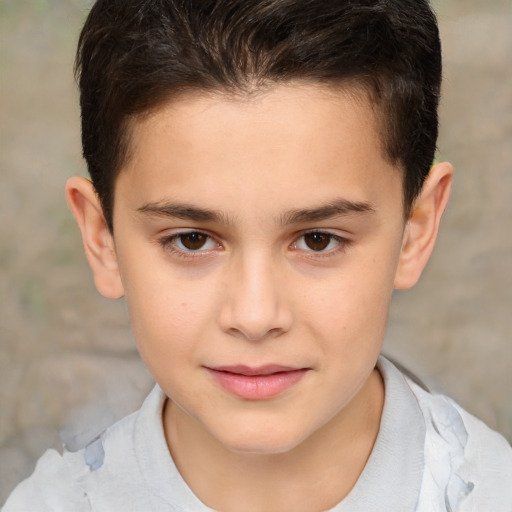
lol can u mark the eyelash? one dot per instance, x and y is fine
(342, 244)
(168, 244)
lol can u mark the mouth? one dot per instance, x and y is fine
(256, 383)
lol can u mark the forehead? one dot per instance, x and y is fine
(298, 107)
(290, 143)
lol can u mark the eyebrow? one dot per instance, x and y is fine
(335, 208)
(183, 211)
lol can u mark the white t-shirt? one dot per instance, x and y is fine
(430, 456)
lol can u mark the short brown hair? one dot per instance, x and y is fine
(133, 55)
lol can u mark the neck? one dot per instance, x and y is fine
(315, 475)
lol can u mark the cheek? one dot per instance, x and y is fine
(168, 330)
(168, 311)
(353, 302)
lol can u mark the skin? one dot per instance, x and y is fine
(254, 175)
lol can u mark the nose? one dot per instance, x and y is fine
(254, 305)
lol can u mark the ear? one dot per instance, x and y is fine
(423, 225)
(98, 241)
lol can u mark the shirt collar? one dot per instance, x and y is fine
(391, 478)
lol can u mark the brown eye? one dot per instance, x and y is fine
(317, 241)
(193, 241)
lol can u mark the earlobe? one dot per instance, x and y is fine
(97, 239)
(421, 230)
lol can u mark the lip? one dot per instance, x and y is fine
(256, 383)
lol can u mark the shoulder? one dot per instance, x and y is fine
(487, 463)
(74, 480)
(467, 464)
(54, 482)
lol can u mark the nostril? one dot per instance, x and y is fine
(255, 335)
(253, 306)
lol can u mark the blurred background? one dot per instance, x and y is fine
(68, 364)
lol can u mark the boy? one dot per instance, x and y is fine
(261, 181)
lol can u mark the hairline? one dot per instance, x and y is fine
(354, 88)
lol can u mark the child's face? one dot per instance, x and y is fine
(256, 236)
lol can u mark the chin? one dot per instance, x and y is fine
(262, 442)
